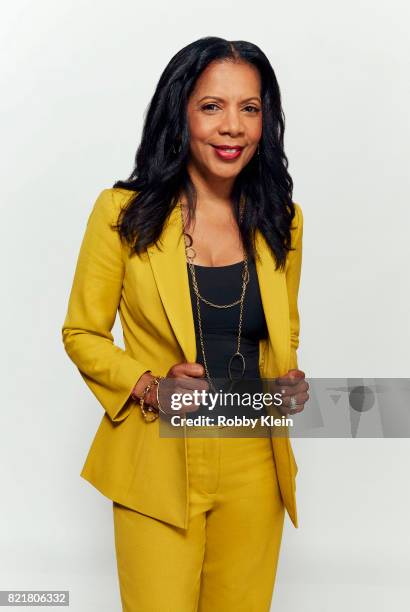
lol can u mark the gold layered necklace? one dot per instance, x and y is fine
(237, 355)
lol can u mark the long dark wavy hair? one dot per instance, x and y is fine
(160, 175)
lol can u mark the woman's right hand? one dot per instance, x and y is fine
(182, 378)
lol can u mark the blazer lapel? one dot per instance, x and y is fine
(171, 275)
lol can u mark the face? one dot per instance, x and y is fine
(224, 110)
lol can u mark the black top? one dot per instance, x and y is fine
(223, 285)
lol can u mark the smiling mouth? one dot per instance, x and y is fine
(227, 148)
(227, 153)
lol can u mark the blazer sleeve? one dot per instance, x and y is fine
(109, 371)
(293, 272)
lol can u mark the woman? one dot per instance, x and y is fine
(200, 251)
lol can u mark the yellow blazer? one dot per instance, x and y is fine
(128, 461)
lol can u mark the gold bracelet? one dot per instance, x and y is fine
(136, 397)
(151, 413)
(158, 402)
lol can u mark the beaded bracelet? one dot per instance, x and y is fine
(151, 413)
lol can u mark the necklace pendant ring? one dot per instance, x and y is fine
(188, 239)
(236, 355)
(190, 252)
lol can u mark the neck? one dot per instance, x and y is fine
(213, 194)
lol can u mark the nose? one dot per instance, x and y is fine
(231, 122)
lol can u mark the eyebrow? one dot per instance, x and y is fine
(221, 99)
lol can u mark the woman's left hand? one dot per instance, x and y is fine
(293, 384)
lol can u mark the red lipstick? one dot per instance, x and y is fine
(228, 152)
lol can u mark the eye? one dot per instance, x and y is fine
(254, 109)
(206, 106)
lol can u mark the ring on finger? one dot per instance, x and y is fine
(293, 402)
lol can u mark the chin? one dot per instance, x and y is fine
(227, 172)
(225, 175)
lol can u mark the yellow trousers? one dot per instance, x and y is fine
(226, 560)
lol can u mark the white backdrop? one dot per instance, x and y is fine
(76, 78)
